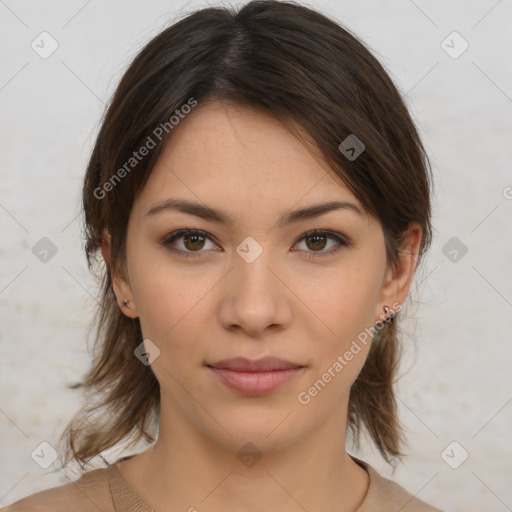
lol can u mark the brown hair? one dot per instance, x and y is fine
(306, 70)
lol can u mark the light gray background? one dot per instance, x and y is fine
(458, 385)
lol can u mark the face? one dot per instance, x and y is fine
(253, 281)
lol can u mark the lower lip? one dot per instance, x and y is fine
(255, 383)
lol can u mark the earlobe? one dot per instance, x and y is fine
(129, 309)
(122, 290)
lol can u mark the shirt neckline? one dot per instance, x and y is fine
(125, 497)
(123, 494)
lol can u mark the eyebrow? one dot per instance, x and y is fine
(220, 216)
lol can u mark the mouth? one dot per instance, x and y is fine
(255, 377)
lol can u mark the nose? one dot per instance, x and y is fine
(255, 296)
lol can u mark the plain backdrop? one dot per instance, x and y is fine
(455, 395)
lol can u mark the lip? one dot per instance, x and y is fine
(255, 377)
(264, 364)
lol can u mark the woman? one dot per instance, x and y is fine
(261, 199)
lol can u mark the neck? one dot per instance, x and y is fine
(185, 470)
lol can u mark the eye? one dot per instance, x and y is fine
(193, 240)
(318, 240)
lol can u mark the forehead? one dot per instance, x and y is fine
(238, 155)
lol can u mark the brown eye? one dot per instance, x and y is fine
(192, 242)
(316, 242)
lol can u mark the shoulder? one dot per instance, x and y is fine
(90, 493)
(384, 492)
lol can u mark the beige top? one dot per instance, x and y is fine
(106, 490)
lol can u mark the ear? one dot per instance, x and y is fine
(398, 279)
(120, 284)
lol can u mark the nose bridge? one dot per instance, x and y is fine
(254, 298)
(252, 267)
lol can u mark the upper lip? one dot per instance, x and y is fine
(265, 364)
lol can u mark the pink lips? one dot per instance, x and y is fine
(255, 377)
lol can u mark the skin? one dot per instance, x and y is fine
(199, 310)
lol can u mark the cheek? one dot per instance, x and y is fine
(343, 301)
(171, 301)
(343, 298)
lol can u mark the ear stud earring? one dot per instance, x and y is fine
(126, 303)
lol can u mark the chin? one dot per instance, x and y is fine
(269, 429)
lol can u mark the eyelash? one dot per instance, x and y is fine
(310, 254)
